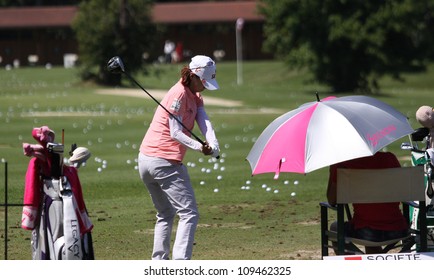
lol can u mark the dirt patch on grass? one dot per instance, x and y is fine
(230, 106)
(159, 94)
(62, 114)
(228, 225)
(303, 255)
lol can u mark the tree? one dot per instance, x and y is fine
(349, 44)
(105, 28)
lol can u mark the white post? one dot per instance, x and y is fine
(239, 46)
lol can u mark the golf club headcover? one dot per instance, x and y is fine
(425, 116)
(79, 156)
(43, 135)
(34, 150)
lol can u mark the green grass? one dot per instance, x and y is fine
(234, 223)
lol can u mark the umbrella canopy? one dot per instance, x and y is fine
(332, 130)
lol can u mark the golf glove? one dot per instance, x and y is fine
(215, 151)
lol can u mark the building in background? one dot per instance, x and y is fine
(38, 35)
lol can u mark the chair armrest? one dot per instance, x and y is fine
(327, 205)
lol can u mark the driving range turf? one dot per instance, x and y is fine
(241, 217)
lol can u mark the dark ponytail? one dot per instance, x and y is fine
(186, 76)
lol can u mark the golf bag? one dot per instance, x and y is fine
(54, 209)
(424, 157)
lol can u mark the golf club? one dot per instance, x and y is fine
(115, 65)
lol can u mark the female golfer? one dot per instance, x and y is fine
(163, 149)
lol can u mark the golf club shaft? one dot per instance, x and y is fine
(172, 115)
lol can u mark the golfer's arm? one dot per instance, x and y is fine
(177, 134)
(206, 128)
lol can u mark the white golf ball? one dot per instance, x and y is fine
(99, 169)
(276, 191)
(295, 182)
(264, 186)
(293, 194)
(219, 177)
(268, 189)
(216, 190)
(248, 182)
(202, 182)
(286, 182)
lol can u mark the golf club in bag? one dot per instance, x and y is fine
(115, 65)
(54, 208)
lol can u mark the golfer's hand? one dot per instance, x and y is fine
(206, 149)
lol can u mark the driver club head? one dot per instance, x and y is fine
(115, 65)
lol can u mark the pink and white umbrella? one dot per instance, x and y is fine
(322, 133)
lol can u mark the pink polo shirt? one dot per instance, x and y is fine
(181, 102)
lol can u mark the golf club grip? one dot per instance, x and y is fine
(165, 109)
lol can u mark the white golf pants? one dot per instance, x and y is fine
(171, 192)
